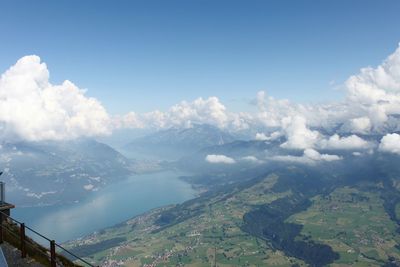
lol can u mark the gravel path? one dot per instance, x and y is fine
(13, 257)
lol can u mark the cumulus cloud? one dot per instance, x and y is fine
(31, 108)
(261, 137)
(219, 159)
(373, 84)
(352, 142)
(360, 125)
(310, 156)
(390, 143)
(272, 111)
(210, 111)
(376, 91)
(185, 114)
(372, 104)
(298, 135)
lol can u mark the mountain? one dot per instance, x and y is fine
(57, 172)
(344, 213)
(174, 143)
(244, 152)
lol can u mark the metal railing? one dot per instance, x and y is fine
(19, 233)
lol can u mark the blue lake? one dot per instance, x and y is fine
(109, 206)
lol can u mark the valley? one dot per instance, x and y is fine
(354, 223)
(255, 212)
(258, 223)
(215, 231)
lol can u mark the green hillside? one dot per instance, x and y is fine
(262, 222)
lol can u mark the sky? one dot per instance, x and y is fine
(319, 75)
(146, 55)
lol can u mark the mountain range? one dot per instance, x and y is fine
(43, 173)
(174, 143)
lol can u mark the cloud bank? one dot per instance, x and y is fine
(310, 156)
(371, 106)
(352, 142)
(31, 108)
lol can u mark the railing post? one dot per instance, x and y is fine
(52, 253)
(1, 228)
(2, 193)
(22, 237)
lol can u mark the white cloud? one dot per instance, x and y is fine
(271, 137)
(360, 125)
(88, 187)
(316, 156)
(210, 111)
(376, 91)
(297, 134)
(252, 159)
(346, 143)
(220, 159)
(261, 103)
(310, 156)
(185, 114)
(129, 120)
(272, 111)
(373, 96)
(373, 83)
(261, 137)
(31, 108)
(390, 143)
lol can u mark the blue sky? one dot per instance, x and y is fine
(146, 55)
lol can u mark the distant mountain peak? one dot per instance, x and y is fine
(179, 141)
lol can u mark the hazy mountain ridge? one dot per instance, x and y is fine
(58, 172)
(259, 153)
(174, 143)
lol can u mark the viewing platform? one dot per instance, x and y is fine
(4, 206)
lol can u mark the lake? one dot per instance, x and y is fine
(107, 207)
